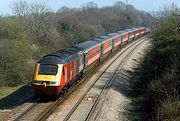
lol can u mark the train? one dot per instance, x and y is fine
(56, 72)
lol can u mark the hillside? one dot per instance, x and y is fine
(156, 88)
(36, 30)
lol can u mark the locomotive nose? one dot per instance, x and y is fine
(47, 79)
(46, 74)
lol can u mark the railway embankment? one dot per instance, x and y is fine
(116, 105)
(113, 101)
(156, 79)
(15, 101)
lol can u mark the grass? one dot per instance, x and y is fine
(11, 97)
(5, 91)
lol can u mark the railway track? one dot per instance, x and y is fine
(92, 113)
(40, 111)
(85, 107)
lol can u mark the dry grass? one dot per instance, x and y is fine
(5, 91)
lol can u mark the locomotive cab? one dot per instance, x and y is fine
(47, 79)
(55, 71)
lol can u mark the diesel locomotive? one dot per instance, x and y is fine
(55, 72)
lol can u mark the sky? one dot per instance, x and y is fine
(146, 5)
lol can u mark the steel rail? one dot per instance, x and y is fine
(26, 111)
(83, 96)
(120, 66)
(50, 109)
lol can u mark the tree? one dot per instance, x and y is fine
(90, 5)
(15, 54)
(35, 16)
(20, 8)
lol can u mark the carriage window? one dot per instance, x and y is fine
(48, 69)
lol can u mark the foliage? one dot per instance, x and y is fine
(157, 79)
(36, 30)
(15, 53)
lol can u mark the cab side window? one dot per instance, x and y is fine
(63, 71)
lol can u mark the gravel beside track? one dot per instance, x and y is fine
(23, 109)
(83, 110)
(16, 103)
(36, 110)
(67, 105)
(116, 105)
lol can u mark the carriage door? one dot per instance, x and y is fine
(72, 70)
(81, 63)
(113, 41)
(102, 49)
(65, 74)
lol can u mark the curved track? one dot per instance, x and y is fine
(84, 108)
(40, 111)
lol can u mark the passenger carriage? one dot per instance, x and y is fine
(143, 29)
(106, 44)
(131, 34)
(116, 40)
(91, 50)
(124, 37)
(137, 33)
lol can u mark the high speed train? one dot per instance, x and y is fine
(55, 72)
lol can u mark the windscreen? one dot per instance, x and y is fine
(48, 69)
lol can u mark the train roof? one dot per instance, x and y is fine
(61, 56)
(97, 39)
(112, 34)
(86, 45)
(122, 32)
(51, 59)
(128, 29)
(104, 37)
(138, 28)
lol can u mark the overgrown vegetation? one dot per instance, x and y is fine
(15, 53)
(36, 30)
(157, 78)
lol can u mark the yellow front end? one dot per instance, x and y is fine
(47, 79)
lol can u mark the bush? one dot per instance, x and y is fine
(15, 55)
(158, 75)
(36, 30)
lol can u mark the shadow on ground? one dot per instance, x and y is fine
(16, 98)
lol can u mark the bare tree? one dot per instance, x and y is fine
(38, 20)
(35, 16)
(90, 5)
(20, 8)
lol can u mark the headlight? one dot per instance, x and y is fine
(37, 82)
(47, 82)
(54, 82)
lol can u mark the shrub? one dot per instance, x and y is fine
(15, 54)
(157, 78)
